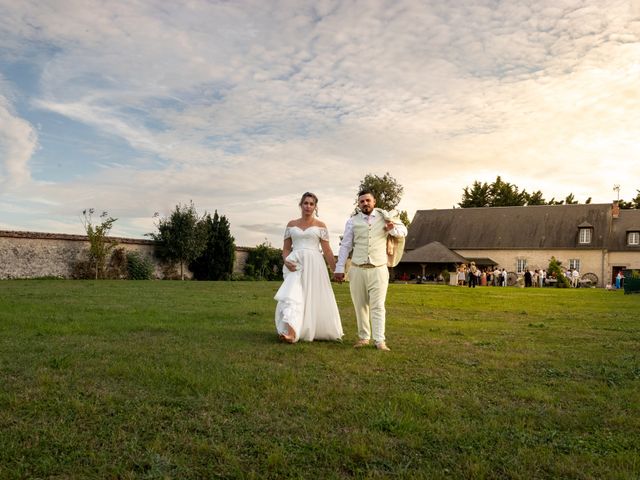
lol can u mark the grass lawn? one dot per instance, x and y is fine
(134, 379)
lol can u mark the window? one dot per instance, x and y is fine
(574, 264)
(521, 265)
(585, 236)
(633, 238)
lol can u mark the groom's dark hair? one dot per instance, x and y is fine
(366, 191)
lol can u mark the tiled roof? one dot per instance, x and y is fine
(533, 227)
(433, 252)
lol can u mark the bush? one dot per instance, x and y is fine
(445, 275)
(554, 271)
(264, 263)
(83, 270)
(138, 267)
(169, 271)
(117, 268)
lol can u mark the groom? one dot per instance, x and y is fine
(366, 234)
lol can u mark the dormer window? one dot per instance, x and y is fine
(585, 229)
(585, 236)
(633, 238)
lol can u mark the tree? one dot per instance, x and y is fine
(264, 262)
(216, 260)
(99, 244)
(536, 198)
(570, 200)
(496, 194)
(634, 203)
(387, 192)
(503, 194)
(180, 237)
(476, 196)
(404, 218)
(555, 271)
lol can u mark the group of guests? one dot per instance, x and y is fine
(471, 276)
(573, 275)
(535, 278)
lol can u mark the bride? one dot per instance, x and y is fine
(307, 308)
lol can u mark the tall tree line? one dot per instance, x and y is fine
(504, 194)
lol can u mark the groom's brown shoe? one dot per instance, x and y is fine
(382, 346)
(361, 343)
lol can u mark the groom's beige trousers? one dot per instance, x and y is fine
(368, 292)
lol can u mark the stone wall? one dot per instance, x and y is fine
(34, 254)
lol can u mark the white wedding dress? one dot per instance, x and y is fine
(305, 298)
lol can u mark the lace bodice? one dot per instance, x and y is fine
(306, 239)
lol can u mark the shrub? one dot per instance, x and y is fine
(169, 271)
(264, 263)
(139, 267)
(117, 268)
(554, 271)
(100, 245)
(83, 270)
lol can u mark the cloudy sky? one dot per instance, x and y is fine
(135, 106)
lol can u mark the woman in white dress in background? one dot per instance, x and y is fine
(307, 308)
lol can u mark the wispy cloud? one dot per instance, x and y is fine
(241, 106)
(18, 141)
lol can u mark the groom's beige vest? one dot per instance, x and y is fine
(369, 241)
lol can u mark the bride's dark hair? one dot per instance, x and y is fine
(309, 195)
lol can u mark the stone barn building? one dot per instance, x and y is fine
(596, 239)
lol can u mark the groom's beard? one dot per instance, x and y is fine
(366, 210)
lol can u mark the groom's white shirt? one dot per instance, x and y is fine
(346, 245)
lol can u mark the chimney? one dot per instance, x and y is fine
(615, 209)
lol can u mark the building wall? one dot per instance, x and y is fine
(33, 255)
(591, 261)
(242, 253)
(629, 259)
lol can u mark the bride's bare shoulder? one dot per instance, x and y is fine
(293, 223)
